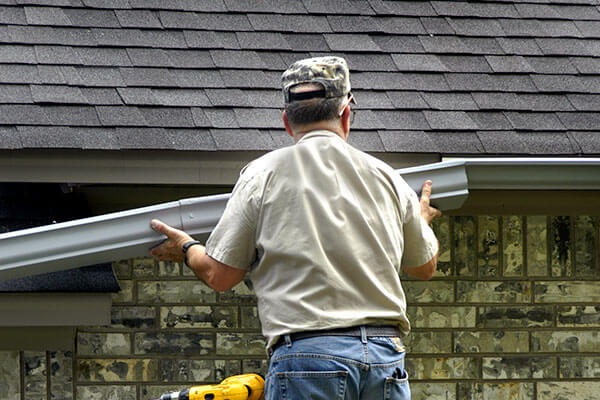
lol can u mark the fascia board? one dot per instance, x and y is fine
(37, 309)
(128, 234)
(146, 167)
(37, 338)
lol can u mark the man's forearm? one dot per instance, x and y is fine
(215, 274)
(424, 272)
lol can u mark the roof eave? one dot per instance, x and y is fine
(128, 234)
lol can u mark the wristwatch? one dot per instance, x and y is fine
(186, 246)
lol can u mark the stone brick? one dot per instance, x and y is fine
(107, 392)
(428, 292)
(566, 341)
(493, 292)
(173, 343)
(184, 370)
(519, 367)
(491, 342)
(133, 317)
(443, 368)
(428, 342)
(567, 292)
(433, 390)
(250, 319)
(568, 390)
(512, 245)
(442, 317)
(255, 366)
(103, 344)
(35, 375)
(192, 292)
(143, 267)
(240, 293)
(509, 391)
(240, 344)
(155, 391)
(579, 367)
(198, 317)
(500, 391)
(514, 317)
(117, 370)
(537, 246)
(487, 240)
(227, 368)
(166, 268)
(578, 316)
(122, 268)
(469, 391)
(560, 246)
(61, 375)
(10, 381)
(464, 245)
(125, 295)
(441, 227)
(585, 245)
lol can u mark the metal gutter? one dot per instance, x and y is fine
(513, 173)
(128, 234)
(103, 238)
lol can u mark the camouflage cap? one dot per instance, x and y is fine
(330, 72)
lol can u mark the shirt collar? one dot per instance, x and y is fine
(318, 133)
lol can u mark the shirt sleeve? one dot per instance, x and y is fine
(420, 243)
(232, 242)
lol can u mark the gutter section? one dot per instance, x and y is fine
(450, 184)
(103, 238)
(128, 234)
(533, 174)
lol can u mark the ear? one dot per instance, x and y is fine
(346, 120)
(286, 123)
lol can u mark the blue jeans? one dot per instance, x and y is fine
(338, 367)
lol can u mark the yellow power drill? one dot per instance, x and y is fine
(237, 387)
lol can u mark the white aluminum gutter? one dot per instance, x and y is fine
(128, 234)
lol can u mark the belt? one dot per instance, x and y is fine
(356, 331)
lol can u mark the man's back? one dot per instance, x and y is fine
(329, 237)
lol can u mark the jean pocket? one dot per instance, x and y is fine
(318, 385)
(397, 388)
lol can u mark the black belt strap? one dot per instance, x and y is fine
(370, 331)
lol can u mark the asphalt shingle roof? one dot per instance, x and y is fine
(451, 77)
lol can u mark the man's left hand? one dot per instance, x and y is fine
(170, 249)
(427, 211)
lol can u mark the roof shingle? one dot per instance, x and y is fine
(442, 76)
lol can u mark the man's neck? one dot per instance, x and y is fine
(319, 126)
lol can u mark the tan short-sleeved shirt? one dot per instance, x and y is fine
(324, 230)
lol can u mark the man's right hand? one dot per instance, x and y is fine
(427, 211)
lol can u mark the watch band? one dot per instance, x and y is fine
(186, 246)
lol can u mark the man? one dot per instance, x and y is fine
(323, 230)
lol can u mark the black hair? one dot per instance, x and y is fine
(313, 110)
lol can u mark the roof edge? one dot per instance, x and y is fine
(93, 240)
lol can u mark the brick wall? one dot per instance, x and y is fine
(511, 314)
